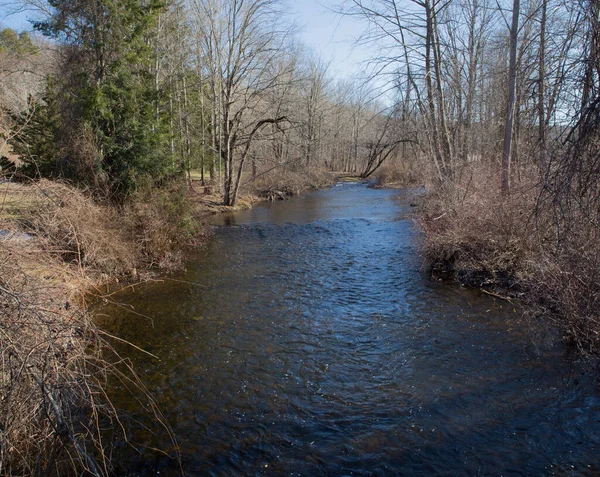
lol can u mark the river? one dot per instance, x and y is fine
(306, 341)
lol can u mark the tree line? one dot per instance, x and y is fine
(484, 79)
(143, 92)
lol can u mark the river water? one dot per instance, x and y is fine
(305, 341)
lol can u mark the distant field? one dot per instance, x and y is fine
(15, 198)
(195, 175)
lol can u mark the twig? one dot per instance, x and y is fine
(128, 343)
(495, 295)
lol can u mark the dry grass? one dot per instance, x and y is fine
(81, 232)
(104, 241)
(160, 223)
(14, 199)
(55, 362)
(46, 356)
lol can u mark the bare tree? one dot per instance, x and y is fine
(313, 96)
(512, 86)
(242, 39)
(384, 144)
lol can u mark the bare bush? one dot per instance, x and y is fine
(281, 183)
(160, 223)
(55, 416)
(147, 231)
(52, 371)
(478, 234)
(402, 173)
(567, 294)
(568, 213)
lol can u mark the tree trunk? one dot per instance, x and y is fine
(437, 60)
(438, 157)
(512, 86)
(541, 86)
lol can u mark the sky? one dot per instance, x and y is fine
(329, 35)
(16, 21)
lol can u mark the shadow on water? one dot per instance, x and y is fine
(307, 342)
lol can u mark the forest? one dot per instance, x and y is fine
(121, 116)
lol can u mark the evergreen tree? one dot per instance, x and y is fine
(38, 134)
(111, 92)
(16, 43)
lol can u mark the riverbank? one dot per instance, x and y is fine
(58, 249)
(506, 245)
(56, 246)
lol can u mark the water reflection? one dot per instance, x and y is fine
(310, 344)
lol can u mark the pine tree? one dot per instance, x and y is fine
(37, 140)
(110, 91)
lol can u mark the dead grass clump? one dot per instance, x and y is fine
(475, 233)
(83, 233)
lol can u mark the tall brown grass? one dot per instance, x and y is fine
(55, 361)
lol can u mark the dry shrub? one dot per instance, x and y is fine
(82, 232)
(408, 172)
(148, 231)
(51, 375)
(283, 183)
(54, 367)
(159, 223)
(475, 233)
(566, 292)
(518, 245)
(569, 224)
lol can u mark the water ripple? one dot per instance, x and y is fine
(317, 347)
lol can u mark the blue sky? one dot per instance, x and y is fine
(321, 29)
(330, 35)
(17, 21)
